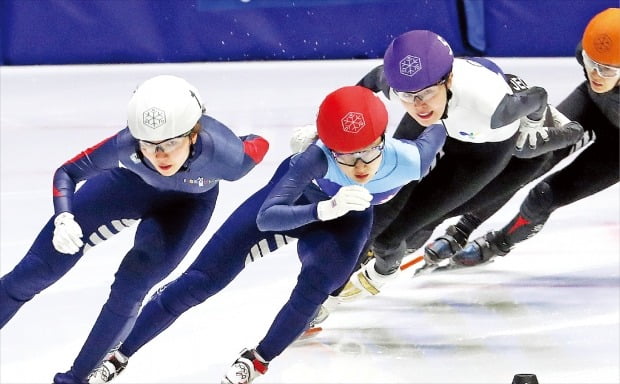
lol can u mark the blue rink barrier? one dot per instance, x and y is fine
(157, 31)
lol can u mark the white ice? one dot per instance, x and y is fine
(550, 308)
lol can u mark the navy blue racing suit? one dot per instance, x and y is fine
(121, 188)
(286, 208)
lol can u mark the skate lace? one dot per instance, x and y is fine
(242, 371)
(105, 374)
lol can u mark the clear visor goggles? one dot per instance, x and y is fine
(165, 146)
(422, 96)
(367, 156)
(606, 71)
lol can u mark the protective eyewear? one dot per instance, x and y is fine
(422, 96)
(165, 146)
(367, 156)
(605, 71)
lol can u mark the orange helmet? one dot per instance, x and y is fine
(601, 38)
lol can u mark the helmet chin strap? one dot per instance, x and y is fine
(445, 110)
(139, 151)
(192, 152)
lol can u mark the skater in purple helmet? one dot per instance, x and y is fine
(595, 104)
(500, 133)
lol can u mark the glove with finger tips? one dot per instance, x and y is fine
(529, 131)
(349, 198)
(67, 234)
(303, 137)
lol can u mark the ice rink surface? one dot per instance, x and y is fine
(551, 307)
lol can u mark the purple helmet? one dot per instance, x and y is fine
(416, 60)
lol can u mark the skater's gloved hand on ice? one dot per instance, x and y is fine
(348, 198)
(67, 234)
(303, 137)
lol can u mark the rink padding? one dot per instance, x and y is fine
(143, 31)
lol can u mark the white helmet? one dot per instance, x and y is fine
(163, 107)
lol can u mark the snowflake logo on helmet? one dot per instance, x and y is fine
(602, 43)
(352, 122)
(410, 65)
(154, 117)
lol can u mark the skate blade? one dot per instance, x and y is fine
(449, 267)
(430, 268)
(310, 333)
(424, 270)
(455, 267)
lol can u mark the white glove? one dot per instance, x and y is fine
(302, 138)
(365, 282)
(529, 131)
(349, 198)
(67, 234)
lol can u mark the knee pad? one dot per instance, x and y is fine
(533, 214)
(32, 275)
(305, 298)
(539, 203)
(192, 288)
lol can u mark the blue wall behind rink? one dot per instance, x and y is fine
(146, 31)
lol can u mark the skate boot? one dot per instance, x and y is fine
(365, 282)
(321, 315)
(114, 363)
(445, 246)
(246, 368)
(482, 250)
(326, 309)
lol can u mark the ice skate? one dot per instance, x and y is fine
(246, 368)
(447, 245)
(310, 333)
(322, 314)
(365, 282)
(114, 363)
(452, 266)
(311, 329)
(482, 250)
(428, 268)
(325, 310)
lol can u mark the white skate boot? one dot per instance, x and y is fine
(246, 368)
(365, 282)
(114, 363)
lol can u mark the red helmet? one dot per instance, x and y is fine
(601, 38)
(351, 118)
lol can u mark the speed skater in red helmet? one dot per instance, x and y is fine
(322, 197)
